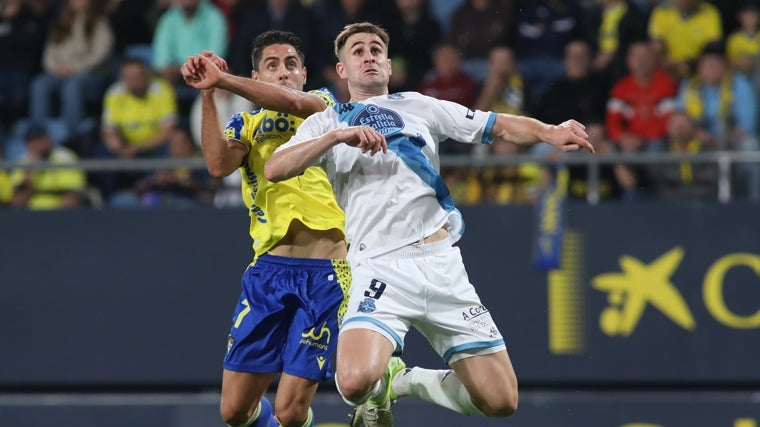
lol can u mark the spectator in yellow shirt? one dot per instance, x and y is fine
(139, 114)
(680, 29)
(47, 188)
(743, 45)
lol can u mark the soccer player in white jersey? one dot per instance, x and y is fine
(380, 152)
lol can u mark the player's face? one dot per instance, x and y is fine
(280, 64)
(364, 63)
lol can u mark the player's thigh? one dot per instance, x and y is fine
(242, 390)
(489, 378)
(294, 396)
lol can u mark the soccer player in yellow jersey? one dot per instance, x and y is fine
(287, 318)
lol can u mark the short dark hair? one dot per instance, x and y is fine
(271, 37)
(359, 28)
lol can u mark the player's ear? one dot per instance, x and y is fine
(390, 68)
(304, 74)
(341, 70)
(254, 75)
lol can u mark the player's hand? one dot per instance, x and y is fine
(216, 59)
(364, 137)
(202, 72)
(569, 136)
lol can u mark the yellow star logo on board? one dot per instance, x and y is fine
(637, 285)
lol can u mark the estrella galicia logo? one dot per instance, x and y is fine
(367, 306)
(381, 119)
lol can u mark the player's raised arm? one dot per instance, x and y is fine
(568, 136)
(291, 160)
(222, 156)
(203, 72)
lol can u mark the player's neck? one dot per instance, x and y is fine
(360, 94)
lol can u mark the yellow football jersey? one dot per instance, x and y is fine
(308, 198)
(685, 37)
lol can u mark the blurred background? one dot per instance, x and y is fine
(626, 284)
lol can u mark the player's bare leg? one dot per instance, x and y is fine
(484, 384)
(241, 394)
(293, 401)
(362, 362)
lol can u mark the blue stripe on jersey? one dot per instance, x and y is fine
(487, 138)
(407, 149)
(410, 151)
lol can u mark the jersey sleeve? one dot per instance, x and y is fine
(455, 121)
(314, 126)
(234, 129)
(326, 96)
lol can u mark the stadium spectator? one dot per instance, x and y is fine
(477, 26)
(22, 38)
(447, 80)
(680, 29)
(47, 188)
(441, 10)
(464, 184)
(332, 16)
(139, 113)
(684, 180)
(580, 93)
(743, 45)
(6, 186)
(415, 34)
(511, 184)
(503, 90)
(182, 187)
(543, 30)
(79, 42)
(613, 182)
(618, 23)
(255, 17)
(640, 103)
(186, 28)
(722, 103)
(131, 22)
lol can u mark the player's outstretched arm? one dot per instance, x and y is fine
(288, 162)
(567, 136)
(203, 71)
(222, 156)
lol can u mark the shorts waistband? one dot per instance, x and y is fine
(298, 262)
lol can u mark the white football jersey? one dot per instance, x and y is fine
(396, 198)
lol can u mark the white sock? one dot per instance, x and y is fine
(439, 386)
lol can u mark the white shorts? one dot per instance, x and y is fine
(424, 286)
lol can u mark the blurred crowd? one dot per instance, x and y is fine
(99, 79)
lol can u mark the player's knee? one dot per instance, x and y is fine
(501, 404)
(292, 415)
(233, 415)
(354, 384)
